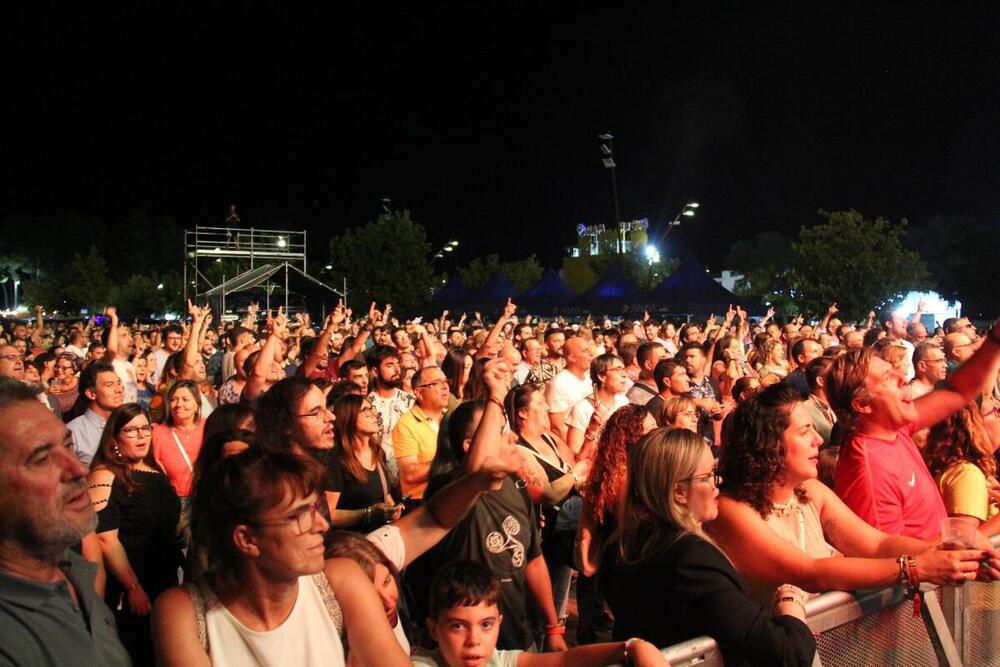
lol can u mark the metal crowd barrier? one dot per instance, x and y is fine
(952, 626)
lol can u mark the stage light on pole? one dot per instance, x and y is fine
(282, 242)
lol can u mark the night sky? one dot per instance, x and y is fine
(483, 122)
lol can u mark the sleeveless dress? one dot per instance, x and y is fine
(309, 636)
(798, 524)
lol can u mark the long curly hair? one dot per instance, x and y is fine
(960, 437)
(754, 455)
(606, 481)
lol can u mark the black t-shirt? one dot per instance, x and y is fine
(502, 532)
(355, 495)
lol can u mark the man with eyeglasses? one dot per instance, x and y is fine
(930, 366)
(105, 392)
(11, 363)
(12, 366)
(958, 347)
(414, 440)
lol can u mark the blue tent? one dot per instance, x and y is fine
(548, 296)
(495, 293)
(613, 293)
(691, 290)
(550, 289)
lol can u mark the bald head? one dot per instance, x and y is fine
(957, 347)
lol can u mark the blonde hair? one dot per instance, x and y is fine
(651, 518)
(671, 409)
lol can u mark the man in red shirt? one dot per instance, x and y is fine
(880, 473)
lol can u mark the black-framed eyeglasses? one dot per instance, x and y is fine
(319, 412)
(435, 383)
(135, 431)
(304, 518)
(714, 477)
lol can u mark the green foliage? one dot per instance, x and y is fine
(638, 268)
(961, 259)
(386, 261)
(765, 261)
(140, 297)
(860, 264)
(522, 273)
(83, 282)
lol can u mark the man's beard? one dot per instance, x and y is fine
(390, 384)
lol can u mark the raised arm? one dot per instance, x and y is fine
(191, 351)
(486, 441)
(494, 335)
(825, 322)
(358, 344)
(257, 382)
(39, 330)
(112, 348)
(322, 348)
(964, 385)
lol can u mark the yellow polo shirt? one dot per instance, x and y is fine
(415, 435)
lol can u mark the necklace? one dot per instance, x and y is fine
(785, 509)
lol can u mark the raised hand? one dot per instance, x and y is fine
(711, 321)
(496, 376)
(509, 309)
(279, 323)
(832, 310)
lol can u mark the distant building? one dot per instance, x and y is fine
(593, 240)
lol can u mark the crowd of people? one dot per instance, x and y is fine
(370, 491)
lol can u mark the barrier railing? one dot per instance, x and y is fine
(951, 626)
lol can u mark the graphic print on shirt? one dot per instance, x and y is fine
(497, 543)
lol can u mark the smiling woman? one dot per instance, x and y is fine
(265, 595)
(779, 524)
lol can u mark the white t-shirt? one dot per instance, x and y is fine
(580, 414)
(126, 373)
(566, 390)
(498, 659)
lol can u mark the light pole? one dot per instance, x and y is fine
(608, 159)
(448, 247)
(688, 211)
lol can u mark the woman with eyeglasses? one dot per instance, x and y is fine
(137, 512)
(667, 582)
(587, 417)
(357, 489)
(65, 385)
(780, 525)
(265, 595)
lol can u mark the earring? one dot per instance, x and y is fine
(118, 453)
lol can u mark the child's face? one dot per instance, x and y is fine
(467, 636)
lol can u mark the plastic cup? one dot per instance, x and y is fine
(958, 533)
